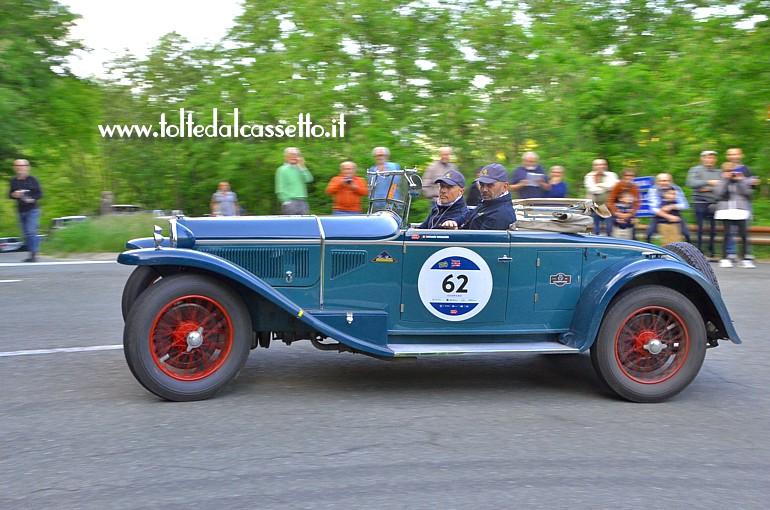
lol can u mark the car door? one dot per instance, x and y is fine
(455, 278)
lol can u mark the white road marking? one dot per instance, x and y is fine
(9, 281)
(59, 263)
(33, 352)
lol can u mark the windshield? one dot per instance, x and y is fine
(393, 190)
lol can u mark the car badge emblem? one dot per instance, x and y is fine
(561, 279)
(384, 257)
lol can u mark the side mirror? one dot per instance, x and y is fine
(415, 185)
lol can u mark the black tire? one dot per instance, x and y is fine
(141, 278)
(696, 259)
(624, 354)
(187, 337)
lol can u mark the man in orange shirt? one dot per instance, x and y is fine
(347, 189)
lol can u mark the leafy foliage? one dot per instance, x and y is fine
(643, 84)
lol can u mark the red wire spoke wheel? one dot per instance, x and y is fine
(651, 344)
(187, 336)
(191, 338)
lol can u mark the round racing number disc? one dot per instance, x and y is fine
(455, 284)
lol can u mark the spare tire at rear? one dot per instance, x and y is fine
(696, 259)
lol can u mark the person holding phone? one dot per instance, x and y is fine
(25, 189)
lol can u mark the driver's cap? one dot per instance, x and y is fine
(453, 178)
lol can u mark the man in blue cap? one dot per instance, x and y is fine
(495, 212)
(450, 204)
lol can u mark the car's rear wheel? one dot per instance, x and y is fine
(187, 337)
(696, 259)
(651, 344)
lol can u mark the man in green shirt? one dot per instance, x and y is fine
(291, 180)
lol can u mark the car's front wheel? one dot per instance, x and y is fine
(139, 280)
(187, 336)
(651, 344)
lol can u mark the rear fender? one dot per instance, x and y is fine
(608, 284)
(228, 271)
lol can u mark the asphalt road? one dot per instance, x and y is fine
(301, 428)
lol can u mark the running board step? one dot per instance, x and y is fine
(447, 349)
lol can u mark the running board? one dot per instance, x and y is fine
(448, 349)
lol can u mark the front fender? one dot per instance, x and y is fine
(601, 290)
(190, 258)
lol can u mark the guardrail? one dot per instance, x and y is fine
(758, 235)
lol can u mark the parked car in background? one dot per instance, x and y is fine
(124, 208)
(8, 244)
(213, 289)
(64, 221)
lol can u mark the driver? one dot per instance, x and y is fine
(495, 212)
(450, 204)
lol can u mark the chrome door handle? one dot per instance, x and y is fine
(504, 258)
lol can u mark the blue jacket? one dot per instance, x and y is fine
(456, 211)
(494, 214)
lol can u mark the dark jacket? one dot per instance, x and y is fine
(456, 211)
(494, 214)
(33, 191)
(520, 173)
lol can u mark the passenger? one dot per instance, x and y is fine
(450, 204)
(495, 212)
(473, 198)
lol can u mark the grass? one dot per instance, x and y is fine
(108, 234)
(102, 234)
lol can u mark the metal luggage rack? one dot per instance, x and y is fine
(556, 214)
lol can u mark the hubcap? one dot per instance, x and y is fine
(194, 339)
(655, 346)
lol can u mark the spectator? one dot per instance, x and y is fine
(291, 180)
(734, 209)
(381, 156)
(347, 189)
(435, 170)
(626, 213)
(528, 180)
(450, 204)
(558, 187)
(669, 212)
(224, 202)
(495, 212)
(702, 179)
(25, 189)
(105, 204)
(598, 184)
(624, 224)
(669, 224)
(735, 155)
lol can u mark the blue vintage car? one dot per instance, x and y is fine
(213, 289)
